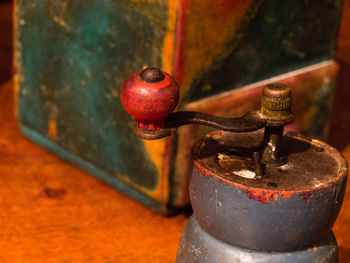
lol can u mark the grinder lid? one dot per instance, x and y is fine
(311, 163)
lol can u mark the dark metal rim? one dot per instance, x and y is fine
(342, 172)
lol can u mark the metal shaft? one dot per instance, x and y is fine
(272, 152)
(276, 104)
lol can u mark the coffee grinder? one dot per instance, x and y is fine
(258, 194)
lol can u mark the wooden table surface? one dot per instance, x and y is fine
(53, 212)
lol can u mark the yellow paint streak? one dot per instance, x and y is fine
(169, 40)
(155, 194)
(156, 151)
(52, 128)
(157, 148)
(208, 31)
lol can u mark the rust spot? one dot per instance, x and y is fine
(54, 193)
(307, 196)
(265, 196)
(260, 196)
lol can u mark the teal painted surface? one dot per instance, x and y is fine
(88, 167)
(282, 36)
(74, 57)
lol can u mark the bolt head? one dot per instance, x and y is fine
(152, 75)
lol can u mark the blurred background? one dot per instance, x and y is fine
(31, 234)
(5, 40)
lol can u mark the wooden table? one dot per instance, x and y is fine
(53, 212)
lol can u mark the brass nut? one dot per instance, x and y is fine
(276, 101)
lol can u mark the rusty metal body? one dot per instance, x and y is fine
(287, 212)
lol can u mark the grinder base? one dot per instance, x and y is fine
(196, 245)
(291, 207)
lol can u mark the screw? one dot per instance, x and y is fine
(258, 166)
(152, 75)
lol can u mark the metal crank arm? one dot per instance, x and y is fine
(249, 122)
(151, 95)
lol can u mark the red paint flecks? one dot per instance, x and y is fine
(307, 196)
(261, 196)
(265, 196)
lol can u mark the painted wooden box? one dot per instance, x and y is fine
(73, 56)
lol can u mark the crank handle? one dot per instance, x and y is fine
(151, 95)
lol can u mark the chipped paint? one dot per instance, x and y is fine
(52, 128)
(307, 196)
(246, 174)
(265, 196)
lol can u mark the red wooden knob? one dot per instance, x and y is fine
(149, 96)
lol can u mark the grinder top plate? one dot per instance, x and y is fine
(311, 163)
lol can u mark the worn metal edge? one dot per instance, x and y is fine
(342, 174)
(95, 171)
